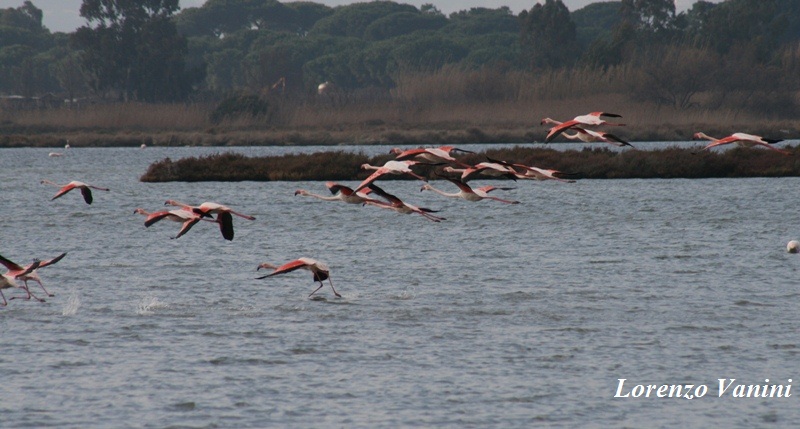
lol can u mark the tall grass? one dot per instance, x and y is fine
(450, 105)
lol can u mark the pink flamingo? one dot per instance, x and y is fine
(467, 193)
(32, 275)
(391, 167)
(209, 208)
(746, 139)
(493, 169)
(536, 173)
(432, 155)
(399, 206)
(186, 217)
(340, 193)
(589, 136)
(84, 187)
(320, 271)
(591, 119)
(8, 279)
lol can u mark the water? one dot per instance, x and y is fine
(501, 316)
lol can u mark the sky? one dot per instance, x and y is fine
(63, 15)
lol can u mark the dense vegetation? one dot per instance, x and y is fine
(246, 71)
(595, 163)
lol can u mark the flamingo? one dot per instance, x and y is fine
(433, 155)
(591, 119)
(14, 268)
(391, 167)
(793, 246)
(493, 169)
(589, 136)
(84, 187)
(340, 193)
(55, 154)
(536, 173)
(399, 206)
(746, 139)
(467, 193)
(186, 217)
(319, 269)
(8, 281)
(209, 208)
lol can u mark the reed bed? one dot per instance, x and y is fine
(598, 163)
(446, 106)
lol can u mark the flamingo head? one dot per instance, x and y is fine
(266, 265)
(365, 166)
(699, 136)
(300, 192)
(546, 121)
(425, 187)
(793, 246)
(449, 169)
(396, 151)
(140, 211)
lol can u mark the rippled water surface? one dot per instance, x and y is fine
(501, 316)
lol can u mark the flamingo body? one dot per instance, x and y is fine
(743, 138)
(390, 167)
(591, 119)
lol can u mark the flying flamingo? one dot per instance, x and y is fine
(592, 119)
(589, 136)
(493, 169)
(391, 167)
(186, 217)
(399, 206)
(536, 173)
(340, 193)
(84, 187)
(467, 193)
(209, 208)
(319, 269)
(432, 155)
(8, 281)
(746, 139)
(14, 268)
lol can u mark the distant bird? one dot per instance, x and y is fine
(207, 209)
(467, 193)
(589, 136)
(326, 88)
(399, 206)
(432, 155)
(33, 275)
(339, 193)
(55, 154)
(84, 187)
(492, 169)
(320, 271)
(8, 281)
(742, 138)
(591, 119)
(390, 167)
(186, 217)
(793, 246)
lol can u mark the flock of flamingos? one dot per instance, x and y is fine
(459, 174)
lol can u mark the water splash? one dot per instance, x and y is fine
(71, 306)
(148, 304)
(408, 293)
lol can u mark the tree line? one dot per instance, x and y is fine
(742, 51)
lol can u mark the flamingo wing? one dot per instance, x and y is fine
(287, 267)
(187, 226)
(155, 217)
(558, 129)
(52, 261)
(87, 194)
(225, 225)
(64, 189)
(12, 266)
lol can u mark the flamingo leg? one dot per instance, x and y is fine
(42, 286)
(30, 295)
(315, 290)
(334, 290)
(5, 303)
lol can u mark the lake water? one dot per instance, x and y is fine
(510, 316)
